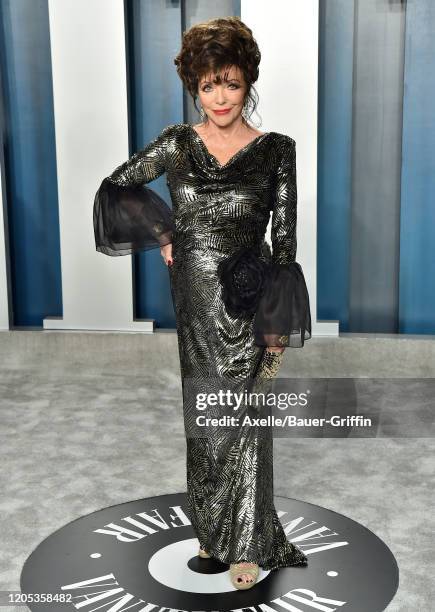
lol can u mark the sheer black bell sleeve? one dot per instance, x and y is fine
(128, 219)
(283, 316)
(128, 216)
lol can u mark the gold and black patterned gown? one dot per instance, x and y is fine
(216, 209)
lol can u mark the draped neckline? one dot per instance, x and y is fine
(238, 154)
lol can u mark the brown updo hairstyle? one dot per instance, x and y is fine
(213, 45)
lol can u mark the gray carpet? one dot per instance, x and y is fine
(70, 446)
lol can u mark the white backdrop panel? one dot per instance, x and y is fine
(91, 119)
(287, 34)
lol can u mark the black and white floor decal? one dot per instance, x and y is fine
(141, 556)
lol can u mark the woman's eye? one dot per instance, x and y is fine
(208, 87)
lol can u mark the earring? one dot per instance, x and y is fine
(202, 113)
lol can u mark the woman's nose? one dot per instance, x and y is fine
(220, 95)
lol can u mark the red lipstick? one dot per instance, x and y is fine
(222, 112)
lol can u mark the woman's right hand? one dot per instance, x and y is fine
(166, 253)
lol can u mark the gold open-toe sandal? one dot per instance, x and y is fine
(236, 572)
(203, 554)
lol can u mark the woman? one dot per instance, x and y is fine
(225, 178)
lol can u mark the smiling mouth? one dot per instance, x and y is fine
(222, 110)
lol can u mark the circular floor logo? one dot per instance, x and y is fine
(141, 556)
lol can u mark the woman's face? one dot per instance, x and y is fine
(226, 93)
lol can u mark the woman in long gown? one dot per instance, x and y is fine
(219, 208)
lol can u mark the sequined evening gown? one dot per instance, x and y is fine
(216, 209)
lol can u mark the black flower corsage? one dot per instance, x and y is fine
(243, 278)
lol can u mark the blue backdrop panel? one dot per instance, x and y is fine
(376, 166)
(417, 230)
(156, 100)
(334, 159)
(30, 161)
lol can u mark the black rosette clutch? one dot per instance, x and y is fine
(275, 294)
(243, 279)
